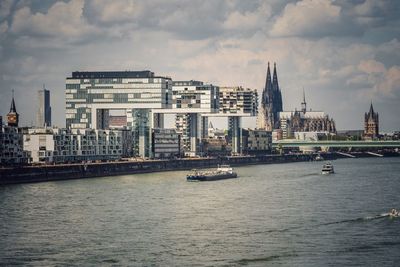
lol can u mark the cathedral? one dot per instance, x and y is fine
(371, 123)
(305, 121)
(271, 103)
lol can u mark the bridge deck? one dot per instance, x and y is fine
(298, 143)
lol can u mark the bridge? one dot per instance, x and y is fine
(288, 143)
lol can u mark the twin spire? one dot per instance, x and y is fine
(271, 102)
(274, 82)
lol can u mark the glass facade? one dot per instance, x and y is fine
(90, 95)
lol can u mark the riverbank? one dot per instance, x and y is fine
(29, 174)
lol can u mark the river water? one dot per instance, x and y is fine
(281, 214)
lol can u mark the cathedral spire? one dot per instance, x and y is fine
(304, 103)
(371, 109)
(268, 80)
(275, 79)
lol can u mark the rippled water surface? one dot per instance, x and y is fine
(283, 214)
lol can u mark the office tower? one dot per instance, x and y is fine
(43, 116)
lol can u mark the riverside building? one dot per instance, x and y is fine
(131, 99)
(257, 141)
(58, 145)
(11, 139)
(237, 102)
(166, 143)
(192, 102)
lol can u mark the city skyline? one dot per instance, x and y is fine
(344, 54)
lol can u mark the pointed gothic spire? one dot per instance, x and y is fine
(268, 80)
(12, 108)
(304, 103)
(275, 79)
(371, 109)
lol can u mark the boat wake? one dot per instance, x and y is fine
(361, 219)
(355, 220)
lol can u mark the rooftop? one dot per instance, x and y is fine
(111, 74)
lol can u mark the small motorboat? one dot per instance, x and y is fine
(327, 168)
(318, 158)
(394, 213)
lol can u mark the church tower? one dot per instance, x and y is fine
(271, 102)
(371, 123)
(12, 116)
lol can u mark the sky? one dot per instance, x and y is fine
(344, 53)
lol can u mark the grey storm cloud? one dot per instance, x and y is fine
(344, 53)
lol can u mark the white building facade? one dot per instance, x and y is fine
(192, 102)
(54, 145)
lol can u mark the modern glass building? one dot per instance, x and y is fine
(192, 101)
(127, 99)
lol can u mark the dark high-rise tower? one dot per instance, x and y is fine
(12, 116)
(271, 102)
(43, 116)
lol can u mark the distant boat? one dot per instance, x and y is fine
(394, 213)
(318, 158)
(327, 168)
(222, 172)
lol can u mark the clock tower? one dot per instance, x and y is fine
(13, 116)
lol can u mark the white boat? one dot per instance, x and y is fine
(394, 213)
(318, 158)
(327, 168)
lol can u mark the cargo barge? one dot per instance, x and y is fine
(222, 172)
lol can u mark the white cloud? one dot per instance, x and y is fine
(223, 42)
(307, 17)
(63, 20)
(248, 20)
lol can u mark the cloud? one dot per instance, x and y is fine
(371, 66)
(339, 50)
(248, 20)
(389, 84)
(307, 17)
(376, 79)
(107, 12)
(62, 20)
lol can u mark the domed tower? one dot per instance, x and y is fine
(13, 116)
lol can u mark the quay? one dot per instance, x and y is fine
(29, 174)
